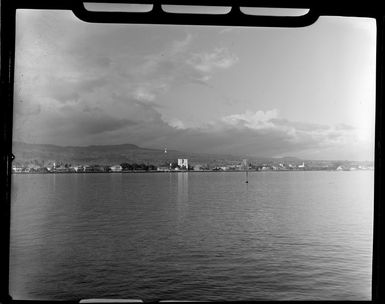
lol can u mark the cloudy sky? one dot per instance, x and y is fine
(306, 92)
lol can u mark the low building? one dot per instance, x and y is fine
(17, 169)
(163, 169)
(33, 167)
(61, 169)
(265, 168)
(87, 168)
(116, 168)
(78, 168)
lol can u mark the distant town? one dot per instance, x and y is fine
(183, 165)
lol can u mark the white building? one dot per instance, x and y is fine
(116, 168)
(183, 163)
(79, 168)
(17, 169)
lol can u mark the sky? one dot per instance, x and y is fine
(305, 92)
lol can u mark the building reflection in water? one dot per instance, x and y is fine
(182, 195)
(182, 198)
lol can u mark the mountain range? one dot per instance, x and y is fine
(117, 154)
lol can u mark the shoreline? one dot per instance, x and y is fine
(192, 171)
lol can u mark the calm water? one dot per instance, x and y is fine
(197, 236)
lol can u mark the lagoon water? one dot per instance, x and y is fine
(192, 236)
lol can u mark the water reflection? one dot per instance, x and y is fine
(182, 196)
(291, 236)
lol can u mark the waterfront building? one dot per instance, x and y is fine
(33, 167)
(116, 168)
(183, 163)
(78, 168)
(17, 169)
(244, 165)
(163, 169)
(61, 169)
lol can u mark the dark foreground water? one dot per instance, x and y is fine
(192, 236)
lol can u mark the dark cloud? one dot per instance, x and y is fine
(102, 124)
(146, 128)
(275, 137)
(239, 142)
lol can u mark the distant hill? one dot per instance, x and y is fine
(114, 154)
(287, 158)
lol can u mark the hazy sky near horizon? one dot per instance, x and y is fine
(306, 92)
